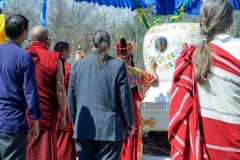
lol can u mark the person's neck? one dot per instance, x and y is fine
(95, 49)
(45, 44)
(17, 41)
(64, 59)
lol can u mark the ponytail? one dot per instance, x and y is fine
(101, 40)
(215, 17)
(202, 62)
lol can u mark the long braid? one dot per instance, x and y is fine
(101, 40)
(215, 17)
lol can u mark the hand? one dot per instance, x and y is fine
(34, 130)
(153, 65)
(130, 130)
(62, 122)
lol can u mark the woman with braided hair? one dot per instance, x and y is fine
(205, 101)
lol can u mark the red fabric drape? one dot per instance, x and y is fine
(45, 147)
(45, 70)
(188, 131)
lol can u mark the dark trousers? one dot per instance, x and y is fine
(98, 150)
(13, 146)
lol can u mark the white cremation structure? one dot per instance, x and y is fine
(164, 43)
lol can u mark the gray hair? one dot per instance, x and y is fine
(215, 18)
(101, 41)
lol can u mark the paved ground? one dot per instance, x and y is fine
(148, 157)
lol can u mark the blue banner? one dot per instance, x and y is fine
(43, 13)
(162, 7)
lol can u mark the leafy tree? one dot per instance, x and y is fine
(75, 23)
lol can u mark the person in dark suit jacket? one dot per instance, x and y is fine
(100, 102)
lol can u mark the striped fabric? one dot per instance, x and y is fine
(205, 119)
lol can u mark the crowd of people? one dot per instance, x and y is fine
(53, 110)
(98, 114)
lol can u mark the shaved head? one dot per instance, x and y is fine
(39, 33)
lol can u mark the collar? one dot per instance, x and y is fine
(222, 37)
(94, 53)
(38, 44)
(12, 42)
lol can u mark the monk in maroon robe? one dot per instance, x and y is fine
(66, 149)
(49, 75)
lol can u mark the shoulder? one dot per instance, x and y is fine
(67, 64)
(25, 57)
(73, 65)
(55, 55)
(116, 62)
(13, 48)
(226, 40)
(23, 54)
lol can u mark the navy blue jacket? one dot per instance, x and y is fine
(99, 99)
(18, 89)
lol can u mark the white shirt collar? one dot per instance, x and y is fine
(222, 37)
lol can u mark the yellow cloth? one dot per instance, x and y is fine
(2, 30)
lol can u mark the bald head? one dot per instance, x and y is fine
(39, 33)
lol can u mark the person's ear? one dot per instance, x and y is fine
(230, 26)
(64, 53)
(91, 45)
(24, 35)
(48, 40)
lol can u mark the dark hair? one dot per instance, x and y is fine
(101, 41)
(215, 17)
(15, 25)
(61, 46)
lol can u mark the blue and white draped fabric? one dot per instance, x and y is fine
(2, 4)
(192, 7)
(236, 4)
(43, 13)
(128, 4)
(162, 7)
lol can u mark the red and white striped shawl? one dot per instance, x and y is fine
(188, 140)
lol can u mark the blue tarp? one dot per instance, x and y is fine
(162, 7)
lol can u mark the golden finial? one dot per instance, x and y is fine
(121, 36)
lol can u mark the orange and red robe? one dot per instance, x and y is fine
(132, 146)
